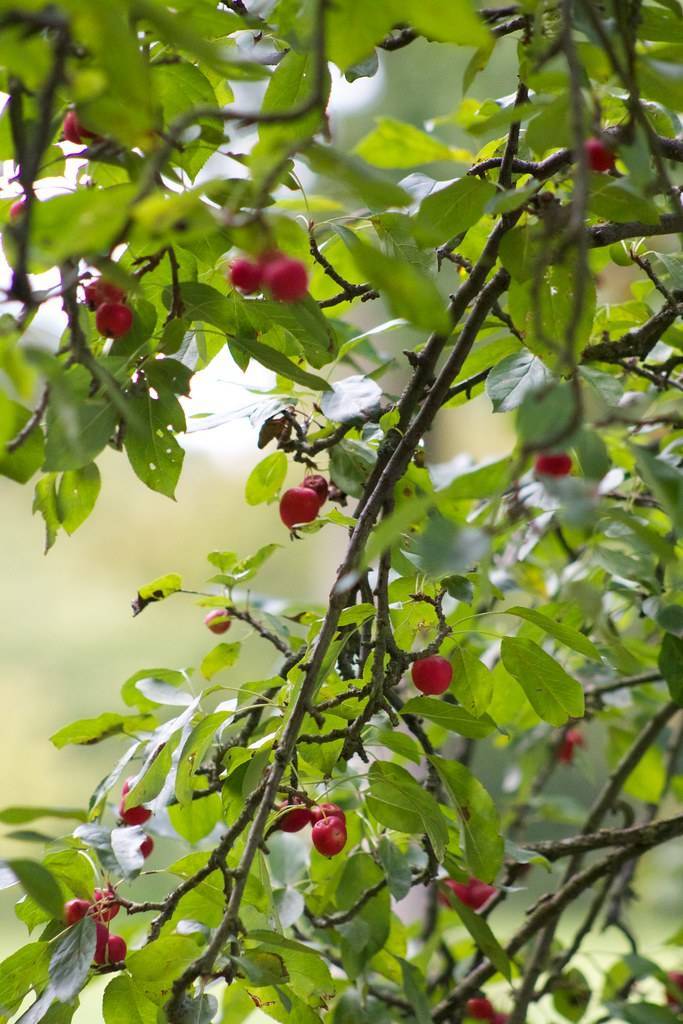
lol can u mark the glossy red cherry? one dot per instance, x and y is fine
(147, 847)
(75, 911)
(116, 950)
(134, 815)
(316, 482)
(218, 620)
(433, 674)
(295, 819)
(17, 208)
(553, 464)
(323, 811)
(473, 893)
(299, 505)
(113, 319)
(285, 279)
(599, 157)
(480, 1008)
(329, 836)
(100, 291)
(573, 738)
(102, 941)
(676, 980)
(105, 905)
(246, 275)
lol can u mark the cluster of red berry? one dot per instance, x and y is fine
(286, 279)
(328, 821)
(135, 816)
(109, 949)
(302, 504)
(113, 318)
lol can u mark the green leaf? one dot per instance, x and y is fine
(567, 635)
(150, 443)
(478, 816)
(279, 363)
(472, 682)
(83, 222)
(303, 320)
(396, 800)
(457, 23)
(409, 292)
(452, 209)
(153, 968)
(666, 482)
(516, 376)
(76, 496)
(21, 464)
(395, 143)
(93, 730)
(266, 479)
(25, 969)
(450, 716)
(39, 884)
(396, 866)
(375, 189)
(124, 1003)
(351, 399)
(78, 426)
(350, 465)
(45, 502)
(193, 752)
(71, 959)
(544, 312)
(481, 933)
(157, 590)
(414, 986)
(222, 656)
(23, 815)
(670, 664)
(552, 693)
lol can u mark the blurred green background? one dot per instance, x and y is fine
(67, 638)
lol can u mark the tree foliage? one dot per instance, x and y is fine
(554, 595)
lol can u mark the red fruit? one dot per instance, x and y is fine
(299, 505)
(433, 674)
(100, 291)
(134, 815)
(572, 739)
(116, 949)
(105, 905)
(75, 910)
(473, 893)
(319, 484)
(286, 279)
(100, 955)
(676, 980)
(113, 319)
(329, 836)
(294, 820)
(480, 1009)
(323, 811)
(553, 464)
(17, 208)
(500, 1018)
(147, 847)
(73, 130)
(217, 620)
(599, 157)
(246, 276)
